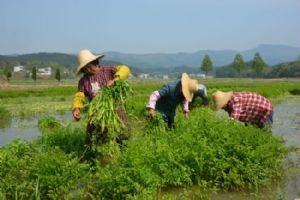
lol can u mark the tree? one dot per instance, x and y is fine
(54, 67)
(57, 74)
(206, 65)
(238, 64)
(258, 64)
(285, 68)
(7, 73)
(33, 74)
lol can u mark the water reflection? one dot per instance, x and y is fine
(287, 125)
(26, 128)
(287, 121)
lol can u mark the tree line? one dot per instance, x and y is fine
(256, 68)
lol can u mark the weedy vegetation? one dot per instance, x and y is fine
(5, 118)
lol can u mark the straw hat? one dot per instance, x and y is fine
(220, 99)
(84, 57)
(189, 86)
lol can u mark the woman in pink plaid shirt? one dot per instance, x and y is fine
(94, 78)
(245, 107)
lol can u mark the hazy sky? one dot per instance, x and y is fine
(146, 26)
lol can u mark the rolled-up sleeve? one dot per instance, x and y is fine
(78, 100)
(153, 99)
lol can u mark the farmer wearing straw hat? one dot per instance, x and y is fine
(95, 77)
(168, 97)
(245, 107)
(202, 94)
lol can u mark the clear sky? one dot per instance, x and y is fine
(146, 26)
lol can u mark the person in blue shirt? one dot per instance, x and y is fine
(202, 94)
(169, 96)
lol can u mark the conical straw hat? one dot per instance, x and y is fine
(220, 99)
(84, 57)
(189, 86)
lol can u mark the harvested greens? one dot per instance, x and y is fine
(102, 109)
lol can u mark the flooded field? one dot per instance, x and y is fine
(286, 124)
(27, 128)
(287, 120)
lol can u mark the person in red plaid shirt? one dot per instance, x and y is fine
(93, 79)
(245, 107)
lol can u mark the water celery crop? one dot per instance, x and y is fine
(102, 110)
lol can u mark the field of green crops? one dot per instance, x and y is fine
(207, 150)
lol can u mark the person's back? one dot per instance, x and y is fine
(245, 106)
(249, 107)
(171, 97)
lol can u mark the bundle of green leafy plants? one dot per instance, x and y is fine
(102, 110)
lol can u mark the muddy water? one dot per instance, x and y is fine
(287, 125)
(26, 128)
(287, 120)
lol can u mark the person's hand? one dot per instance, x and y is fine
(151, 112)
(186, 115)
(110, 83)
(76, 114)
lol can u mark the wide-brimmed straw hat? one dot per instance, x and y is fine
(84, 57)
(189, 86)
(220, 99)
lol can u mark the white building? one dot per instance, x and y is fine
(197, 75)
(200, 75)
(19, 69)
(143, 75)
(44, 71)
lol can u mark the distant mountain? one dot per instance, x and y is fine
(163, 60)
(272, 54)
(60, 58)
(43, 59)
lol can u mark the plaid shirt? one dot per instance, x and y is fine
(91, 84)
(249, 107)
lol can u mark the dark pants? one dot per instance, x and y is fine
(169, 120)
(269, 121)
